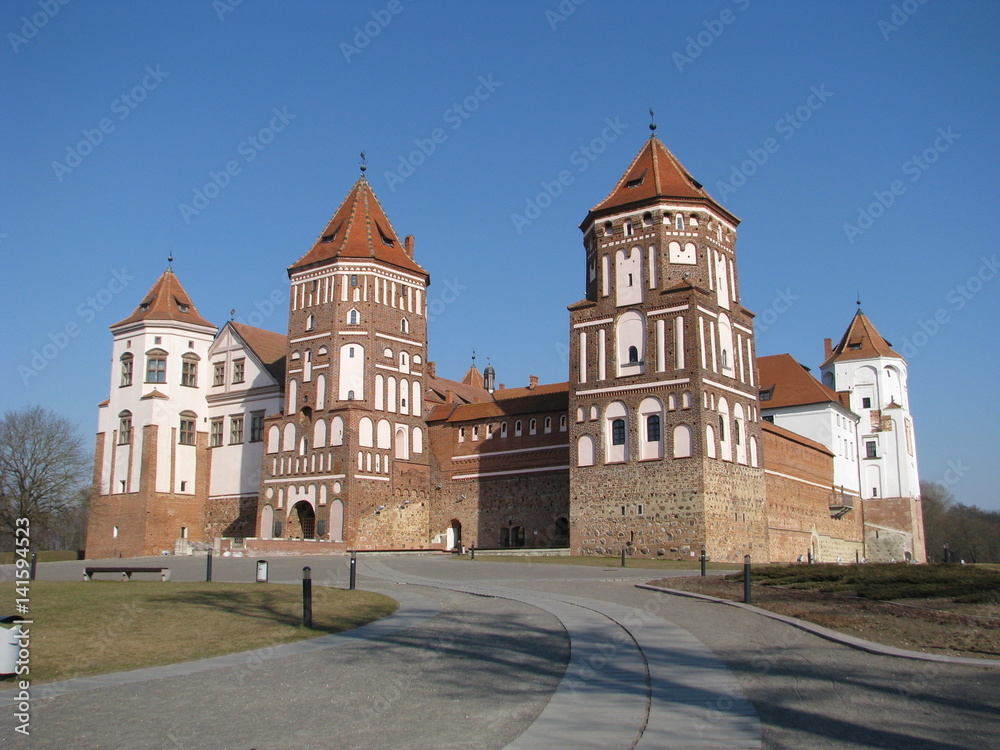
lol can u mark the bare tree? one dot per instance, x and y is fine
(43, 467)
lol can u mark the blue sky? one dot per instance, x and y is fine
(857, 141)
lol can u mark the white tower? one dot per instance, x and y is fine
(151, 459)
(864, 366)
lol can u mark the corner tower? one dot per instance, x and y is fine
(665, 439)
(151, 466)
(873, 377)
(347, 460)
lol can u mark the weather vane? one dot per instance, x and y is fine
(652, 121)
(364, 162)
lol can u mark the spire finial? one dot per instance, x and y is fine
(473, 357)
(232, 314)
(364, 162)
(652, 124)
(859, 301)
(170, 262)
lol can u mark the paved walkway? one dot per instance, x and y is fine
(494, 655)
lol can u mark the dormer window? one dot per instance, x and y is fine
(143, 307)
(386, 239)
(183, 307)
(766, 395)
(608, 229)
(629, 229)
(636, 181)
(679, 223)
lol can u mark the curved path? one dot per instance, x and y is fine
(492, 655)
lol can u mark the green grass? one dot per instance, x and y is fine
(965, 583)
(95, 627)
(600, 562)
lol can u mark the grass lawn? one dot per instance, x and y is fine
(963, 583)
(600, 562)
(96, 627)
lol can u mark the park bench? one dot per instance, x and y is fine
(126, 572)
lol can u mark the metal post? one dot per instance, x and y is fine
(703, 559)
(746, 579)
(208, 568)
(34, 560)
(307, 597)
(354, 570)
(623, 557)
(947, 553)
(472, 552)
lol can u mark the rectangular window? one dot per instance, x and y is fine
(354, 279)
(236, 429)
(239, 366)
(866, 403)
(215, 435)
(189, 373)
(126, 371)
(639, 509)
(871, 449)
(256, 426)
(187, 432)
(156, 369)
(219, 375)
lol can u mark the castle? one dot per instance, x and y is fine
(670, 436)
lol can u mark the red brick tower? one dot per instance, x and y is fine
(665, 434)
(348, 460)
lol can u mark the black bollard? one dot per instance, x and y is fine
(623, 557)
(354, 570)
(307, 597)
(746, 579)
(34, 559)
(703, 559)
(208, 568)
(947, 553)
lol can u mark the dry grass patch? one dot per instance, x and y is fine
(96, 627)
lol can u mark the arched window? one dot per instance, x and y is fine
(679, 223)
(273, 439)
(682, 441)
(651, 427)
(633, 355)
(585, 451)
(532, 426)
(319, 434)
(418, 440)
(563, 423)
(337, 431)
(404, 326)
(156, 366)
(125, 427)
(366, 433)
(288, 438)
(310, 322)
(402, 444)
(616, 432)
(353, 318)
(517, 428)
(127, 363)
(548, 424)
(503, 429)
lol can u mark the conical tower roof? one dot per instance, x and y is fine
(360, 229)
(166, 300)
(861, 341)
(655, 174)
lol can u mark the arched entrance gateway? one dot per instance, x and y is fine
(453, 539)
(301, 521)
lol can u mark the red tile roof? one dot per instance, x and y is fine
(655, 173)
(790, 383)
(474, 378)
(166, 300)
(861, 341)
(270, 347)
(359, 229)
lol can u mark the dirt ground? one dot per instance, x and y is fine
(938, 626)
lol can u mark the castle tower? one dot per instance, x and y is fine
(665, 440)
(347, 459)
(864, 366)
(151, 466)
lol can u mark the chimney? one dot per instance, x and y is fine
(408, 245)
(449, 397)
(502, 386)
(432, 368)
(532, 382)
(828, 346)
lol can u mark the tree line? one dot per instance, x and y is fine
(971, 533)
